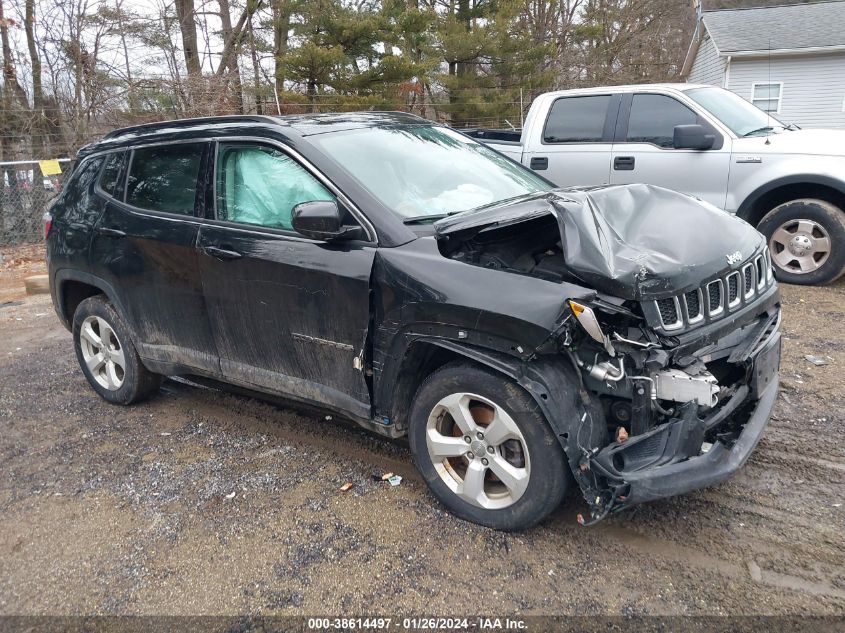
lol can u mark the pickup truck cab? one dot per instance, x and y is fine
(703, 141)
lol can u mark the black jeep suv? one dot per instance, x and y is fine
(403, 275)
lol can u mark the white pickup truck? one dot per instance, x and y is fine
(703, 141)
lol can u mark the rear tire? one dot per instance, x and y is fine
(806, 239)
(107, 356)
(511, 473)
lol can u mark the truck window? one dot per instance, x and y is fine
(577, 119)
(654, 117)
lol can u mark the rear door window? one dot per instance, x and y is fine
(164, 177)
(261, 185)
(654, 117)
(577, 119)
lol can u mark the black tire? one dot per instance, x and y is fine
(137, 381)
(549, 474)
(829, 217)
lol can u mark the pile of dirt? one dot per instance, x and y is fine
(17, 263)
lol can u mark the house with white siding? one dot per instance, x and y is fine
(788, 60)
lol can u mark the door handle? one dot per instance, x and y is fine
(221, 253)
(539, 163)
(104, 230)
(623, 163)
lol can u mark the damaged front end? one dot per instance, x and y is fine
(676, 352)
(666, 414)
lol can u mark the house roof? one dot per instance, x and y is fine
(817, 25)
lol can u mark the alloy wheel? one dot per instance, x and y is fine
(102, 352)
(800, 246)
(478, 450)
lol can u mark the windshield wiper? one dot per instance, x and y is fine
(422, 219)
(521, 197)
(765, 128)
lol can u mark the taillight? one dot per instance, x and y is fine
(48, 222)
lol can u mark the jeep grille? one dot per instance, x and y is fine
(717, 297)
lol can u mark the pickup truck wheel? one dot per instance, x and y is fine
(107, 356)
(485, 450)
(806, 240)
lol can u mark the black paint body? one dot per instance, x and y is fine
(290, 315)
(351, 326)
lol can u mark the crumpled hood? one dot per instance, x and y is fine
(630, 241)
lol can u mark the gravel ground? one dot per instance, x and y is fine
(201, 502)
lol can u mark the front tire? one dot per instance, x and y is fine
(485, 450)
(806, 240)
(107, 356)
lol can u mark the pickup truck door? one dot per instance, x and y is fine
(289, 314)
(572, 146)
(643, 151)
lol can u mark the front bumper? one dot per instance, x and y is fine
(711, 468)
(668, 460)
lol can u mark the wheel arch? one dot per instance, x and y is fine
(776, 192)
(72, 287)
(549, 380)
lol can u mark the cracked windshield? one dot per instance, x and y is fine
(425, 172)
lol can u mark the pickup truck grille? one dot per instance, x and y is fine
(716, 297)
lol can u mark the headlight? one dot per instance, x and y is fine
(586, 316)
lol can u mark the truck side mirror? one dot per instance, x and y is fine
(692, 137)
(322, 220)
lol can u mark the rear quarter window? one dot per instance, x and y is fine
(77, 204)
(112, 176)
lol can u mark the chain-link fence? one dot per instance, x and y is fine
(24, 195)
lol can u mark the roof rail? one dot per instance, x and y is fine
(178, 123)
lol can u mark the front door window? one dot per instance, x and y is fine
(654, 117)
(261, 185)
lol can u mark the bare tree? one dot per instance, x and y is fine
(281, 28)
(234, 70)
(10, 77)
(188, 28)
(232, 47)
(39, 131)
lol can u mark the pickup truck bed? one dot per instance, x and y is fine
(488, 134)
(508, 142)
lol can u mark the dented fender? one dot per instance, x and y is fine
(418, 294)
(550, 380)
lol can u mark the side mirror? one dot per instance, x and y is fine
(692, 137)
(321, 220)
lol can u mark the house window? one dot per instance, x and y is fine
(767, 96)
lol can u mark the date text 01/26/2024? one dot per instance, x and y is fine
(417, 624)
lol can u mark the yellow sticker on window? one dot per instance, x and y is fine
(50, 167)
